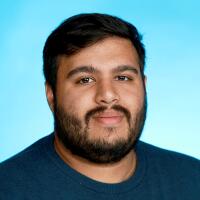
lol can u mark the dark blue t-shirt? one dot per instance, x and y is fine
(39, 173)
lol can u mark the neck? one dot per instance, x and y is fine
(106, 173)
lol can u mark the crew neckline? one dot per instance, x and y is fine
(94, 185)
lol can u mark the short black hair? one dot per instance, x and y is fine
(83, 30)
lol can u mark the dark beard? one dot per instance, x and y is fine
(71, 133)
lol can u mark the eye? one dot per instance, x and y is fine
(85, 80)
(122, 78)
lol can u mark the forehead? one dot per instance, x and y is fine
(104, 55)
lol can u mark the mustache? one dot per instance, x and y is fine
(101, 109)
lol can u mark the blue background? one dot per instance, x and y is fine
(171, 31)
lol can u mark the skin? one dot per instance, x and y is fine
(108, 83)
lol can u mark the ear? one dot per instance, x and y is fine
(145, 80)
(50, 96)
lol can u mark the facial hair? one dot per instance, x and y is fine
(75, 138)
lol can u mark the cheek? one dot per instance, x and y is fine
(133, 99)
(76, 102)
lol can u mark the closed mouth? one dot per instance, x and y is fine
(109, 118)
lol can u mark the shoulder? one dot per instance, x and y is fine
(22, 162)
(170, 162)
(20, 173)
(160, 154)
(171, 172)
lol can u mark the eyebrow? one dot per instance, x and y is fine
(86, 69)
(92, 70)
(123, 68)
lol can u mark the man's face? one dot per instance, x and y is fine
(99, 102)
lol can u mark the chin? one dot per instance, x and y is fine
(109, 134)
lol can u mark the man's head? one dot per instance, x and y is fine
(94, 70)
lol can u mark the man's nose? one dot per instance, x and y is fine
(106, 93)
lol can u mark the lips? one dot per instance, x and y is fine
(109, 118)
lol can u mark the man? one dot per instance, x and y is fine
(96, 89)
